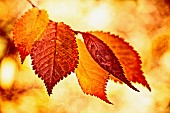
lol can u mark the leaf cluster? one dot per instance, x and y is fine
(55, 53)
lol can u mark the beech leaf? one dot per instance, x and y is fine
(54, 55)
(128, 57)
(104, 56)
(91, 77)
(27, 29)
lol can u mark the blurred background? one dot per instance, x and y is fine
(145, 24)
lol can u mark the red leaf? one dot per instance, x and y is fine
(104, 56)
(128, 57)
(55, 54)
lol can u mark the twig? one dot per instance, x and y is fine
(31, 3)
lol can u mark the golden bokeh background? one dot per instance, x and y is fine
(145, 24)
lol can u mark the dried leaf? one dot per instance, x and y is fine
(128, 57)
(92, 78)
(27, 29)
(104, 56)
(55, 54)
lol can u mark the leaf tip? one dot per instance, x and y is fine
(148, 87)
(49, 92)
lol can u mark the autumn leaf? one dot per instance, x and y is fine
(91, 77)
(27, 29)
(128, 57)
(104, 56)
(54, 55)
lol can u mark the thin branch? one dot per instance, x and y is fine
(31, 3)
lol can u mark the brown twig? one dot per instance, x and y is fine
(31, 3)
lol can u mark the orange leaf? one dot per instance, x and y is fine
(104, 56)
(54, 55)
(27, 29)
(92, 78)
(128, 57)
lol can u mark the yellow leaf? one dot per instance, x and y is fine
(27, 29)
(92, 78)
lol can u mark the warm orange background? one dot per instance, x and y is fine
(145, 24)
